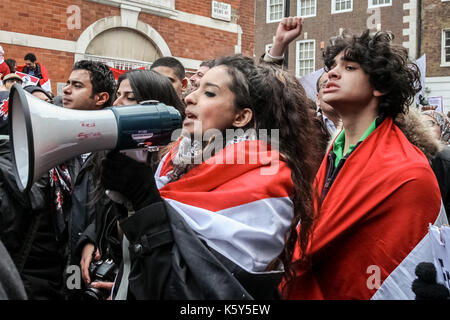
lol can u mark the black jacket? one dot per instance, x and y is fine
(91, 219)
(40, 258)
(16, 209)
(11, 286)
(37, 71)
(168, 261)
(83, 206)
(441, 168)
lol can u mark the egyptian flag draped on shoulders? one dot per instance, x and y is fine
(238, 201)
(372, 228)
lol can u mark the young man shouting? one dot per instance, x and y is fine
(376, 193)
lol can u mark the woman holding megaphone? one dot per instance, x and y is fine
(218, 219)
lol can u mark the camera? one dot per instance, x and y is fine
(101, 270)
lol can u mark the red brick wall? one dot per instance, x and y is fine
(48, 18)
(192, 41)
(243, 9)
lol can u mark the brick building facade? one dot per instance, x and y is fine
(435, 43)
(417, 25)
(123, 33)
(322, 21)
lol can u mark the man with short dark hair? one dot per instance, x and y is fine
(91, 86)
(34, 68)
(174, 70)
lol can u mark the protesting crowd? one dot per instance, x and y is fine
(307, 199)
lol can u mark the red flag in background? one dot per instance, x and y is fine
(118, 72)
(28, 80)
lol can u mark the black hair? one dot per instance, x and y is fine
(102, 78)
(172, 63)
(30, 56)
(208, 63)
(150, 85)
(389, 69)
(32, 88)
(11, 64)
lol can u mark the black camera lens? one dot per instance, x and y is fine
(101, 270)
(95, 294)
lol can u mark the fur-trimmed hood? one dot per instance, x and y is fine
(413, 126)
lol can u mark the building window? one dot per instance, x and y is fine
(445, 48)
(338, 6)
(379, 3)
(306, 57)
(275, 10)
(306, 8)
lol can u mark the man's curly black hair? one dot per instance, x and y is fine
(388, 66)
(102, 78)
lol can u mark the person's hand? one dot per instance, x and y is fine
(103, 285)
(288, 30)
(133, 179)
(86, 258)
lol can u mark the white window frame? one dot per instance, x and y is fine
(443, 62)
(268, 12)
(299, 14)
(297, 56)
(333, 7)
(371, 5)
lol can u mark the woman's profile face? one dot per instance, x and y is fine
(211, 106)
(125, 95)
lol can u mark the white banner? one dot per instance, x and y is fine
(440, 244)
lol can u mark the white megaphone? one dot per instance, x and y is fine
(44, 135)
